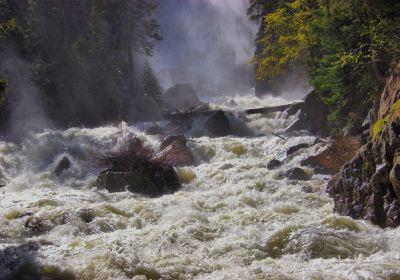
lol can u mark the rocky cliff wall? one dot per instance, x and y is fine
(368, 186)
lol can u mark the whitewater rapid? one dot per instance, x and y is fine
(234, 219)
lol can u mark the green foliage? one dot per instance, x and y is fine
(346, 46)
(378, 127)
(382, 122)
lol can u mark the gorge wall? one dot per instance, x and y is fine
(368, 186)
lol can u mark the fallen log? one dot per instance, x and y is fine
(264, 110)
(274, 109)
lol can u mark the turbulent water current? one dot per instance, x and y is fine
(234, 219)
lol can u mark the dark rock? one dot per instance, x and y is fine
(273, 164)
(368, 185)
(331, 184)
(132, 168)
(86, 214)
(174, 151)
(64, 164)
(337, 152)
(307, 189)
(295, 148)
(152, 179)
(297, 174)
(153, 130)
(294, 108)
(181, 98)
(395, 179)
(313, 116)
(218, 125)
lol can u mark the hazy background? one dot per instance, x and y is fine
(206, 43)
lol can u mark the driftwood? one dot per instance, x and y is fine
(206, 113)
(267, 110)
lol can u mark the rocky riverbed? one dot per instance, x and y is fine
(233, 218)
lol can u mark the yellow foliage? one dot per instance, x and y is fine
(286, 41)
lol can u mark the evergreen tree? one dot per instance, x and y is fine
(151, 87)
(82, 53)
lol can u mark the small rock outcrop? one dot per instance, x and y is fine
(368, 185)
(312, 117)
(273, 164)
(132, 168)
(64, 164)
(297, 173)
(332, 158)
(181, 98)
(174, 151)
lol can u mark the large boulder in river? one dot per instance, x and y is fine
(337, 152)
(313, 116)
(174, 151)
(218, 124)
(368, 185)
(181, 98)
(132, 168)
(151, 179)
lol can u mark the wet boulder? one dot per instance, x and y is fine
(295, 148)
(151, 180)
(64, 164)
(132, 168)
(174, 151)
(218, 124)
(336, 153)
(181, 98)
(368, 185)
(312, 117)
(297, 173)
(273, 164)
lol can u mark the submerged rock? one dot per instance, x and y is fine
(273, 164)
(64, 164)
(36, 226)
(297, 173)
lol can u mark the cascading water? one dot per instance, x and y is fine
(235, 219)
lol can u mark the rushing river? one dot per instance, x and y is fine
(235, 219)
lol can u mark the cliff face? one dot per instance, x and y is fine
(368, 186)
